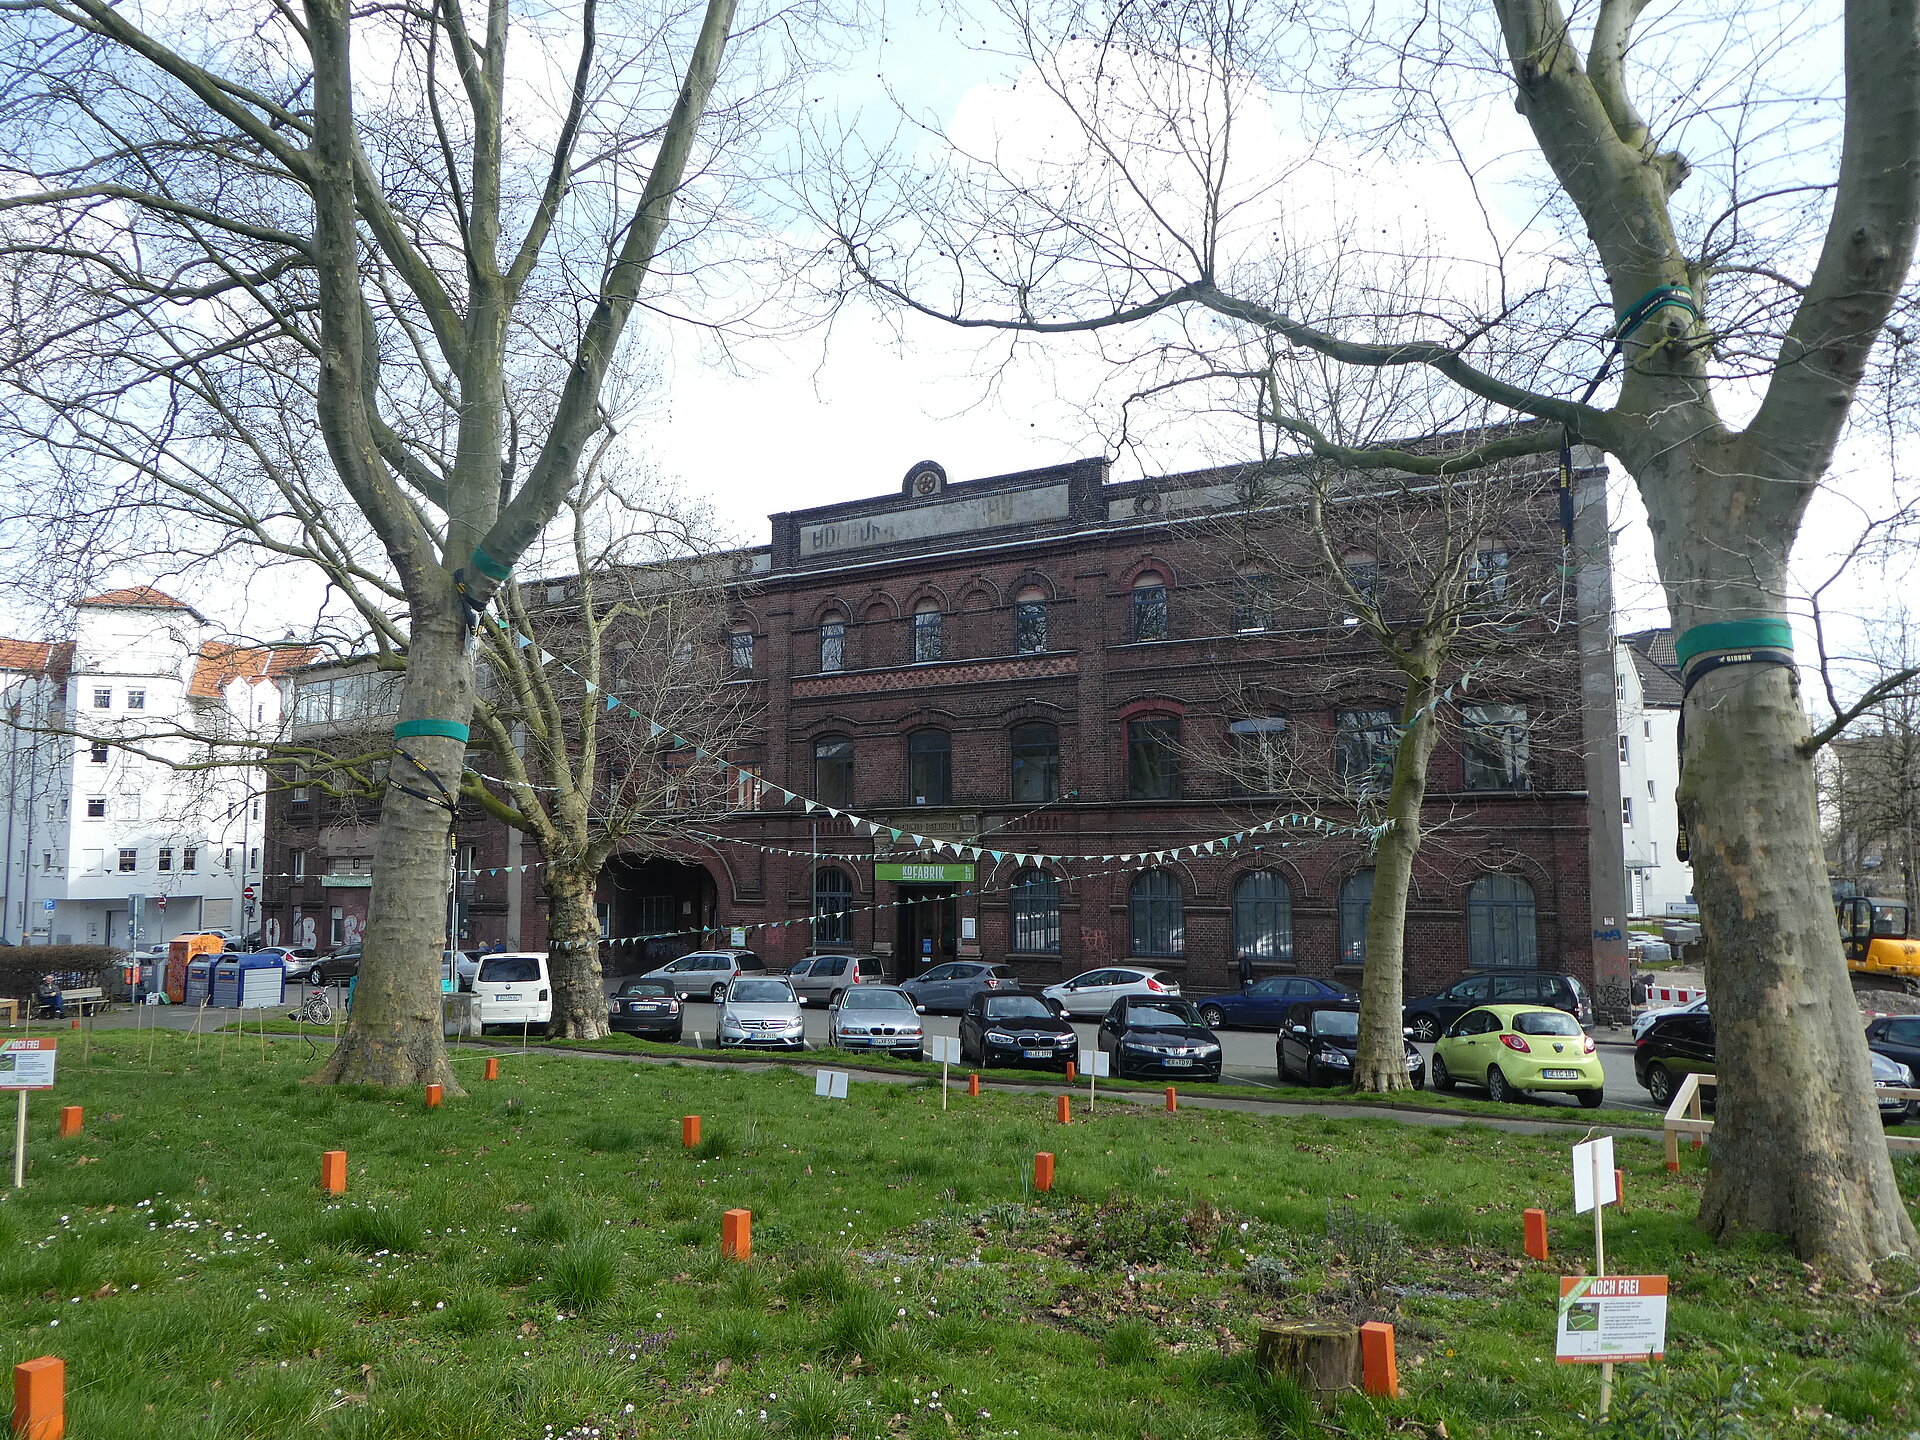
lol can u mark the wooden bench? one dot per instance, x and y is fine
(82, 1000)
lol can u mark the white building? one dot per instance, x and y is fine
(119, 830)
(1647, 689)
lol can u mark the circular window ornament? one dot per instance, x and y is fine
(1146, 504)
(925, 479)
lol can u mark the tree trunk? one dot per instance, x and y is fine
(1322, 1359)
(393, 1035)
(573, 931)
(1380, 1056)
(1797, 1145)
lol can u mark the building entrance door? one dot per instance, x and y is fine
(925, 925)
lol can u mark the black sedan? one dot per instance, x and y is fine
(1260, 1005)
(1000, 1029)
(1318, 1041)
(1153, 1035)
(645, 1007)
(335, 969)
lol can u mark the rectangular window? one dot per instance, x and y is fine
(1487, 576)
(103, 699)
(191, 859)
(1030, 627)
(166, 858)
(1364, 742)
(1650, 794)
(833, 771)
(1252, 602)
(136, 699)
(96, 754)
(253, 858)
(556, 594)
(299, 795)
(256, 807)
(1620, 689)
(1646, 730)
(1623, 750)
(1035, 755)
(226, 859)
(1626, 809)
(1150, 612)
(833, 645)
(1258, 760)
(926, 636)
(337, 926)
(1153, 748)
(930, 767)
(747, 788)
(740, 648)
(297, 863)
(96, 808)
(1495, 747)
(129, 861)
(46, 862)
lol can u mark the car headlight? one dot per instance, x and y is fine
(853, 1029)
(1906, 1074)
(1334, 1057)
(1000, 1037)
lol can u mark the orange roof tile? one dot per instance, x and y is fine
(139, 597)
(220, 664)
(25, 654)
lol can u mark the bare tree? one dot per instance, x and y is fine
(403, 241)
(637, 626)
(1181, 170)
(1872, 774)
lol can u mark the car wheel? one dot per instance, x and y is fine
(719, 994)
(675, 1038)
(1426, 1028)
(834, 999)
(1313, 1074)
(1592, 1099)
(1438, 1073)
(1659, 1083)
(915, 1055)
(1499, 1088)
(1280, 1062)
(314, 977)
(1213, 1016)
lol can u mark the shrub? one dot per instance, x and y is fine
(585, 1272)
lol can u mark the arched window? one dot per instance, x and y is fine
(1034, 903)
(926, 632)
(833, 770)
(1150, 606)
(1158, 918)
(1030, 621)
(1153, 752)
(1036, 763)
(832, 900)
(930, 767)
(1500, 928)
(740, 647)
(1356, 903)
(1262, 917)
(833, 643)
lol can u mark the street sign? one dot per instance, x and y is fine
(47, 905)
(1608, 1318)
(159, 902)
(247, 894)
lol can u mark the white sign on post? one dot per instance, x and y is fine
(1593, 1177)
(1608, 1318)
(944, 1049)
(1100, 1063)
(25, 1065)
(830, 1084)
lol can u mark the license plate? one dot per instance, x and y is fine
(1176, 1061)
(506, 997)
(1560, 1074)
(641, 1009)
(1036, 1054)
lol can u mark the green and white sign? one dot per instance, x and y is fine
(911, 874)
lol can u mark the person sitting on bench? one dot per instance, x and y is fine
(49, 999)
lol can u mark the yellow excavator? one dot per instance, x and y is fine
(1875, 934)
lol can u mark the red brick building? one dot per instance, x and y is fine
(1042, 663)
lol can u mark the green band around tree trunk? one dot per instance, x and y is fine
(488, 566)
(1732, 635)
(440, 729)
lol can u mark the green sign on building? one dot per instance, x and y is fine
(920, 874)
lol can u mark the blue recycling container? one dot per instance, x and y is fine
(248, 982)
(199, 980)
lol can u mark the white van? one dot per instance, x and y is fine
(513, 990)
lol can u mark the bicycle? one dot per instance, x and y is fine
(316, 1009)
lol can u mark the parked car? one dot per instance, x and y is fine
(760, 1012)
(1647, 1017)
(335, 969)
(1261, 1005)
(705, 974)
(1675, 1046)
(1018, 1029)
(821, 978)
(1427, 1015)
(295, 961)
(1897, 1037)
(1094, 992)
(1318, 1040)
(645, 1007)
(877, 1017)
(1511, 1049)
(513, 992)
(1158, 1035)
(947, 989)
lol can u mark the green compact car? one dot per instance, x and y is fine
(1515, 1048)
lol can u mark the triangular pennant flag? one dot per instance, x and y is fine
(655, 729)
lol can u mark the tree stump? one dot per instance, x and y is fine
(1322, 1359)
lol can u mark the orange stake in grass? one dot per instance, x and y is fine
(973, 1084)
(71, 1117)
(1063, 1109)
(736, 1234)
(40, 1399)
(493, 1067)
(1173, 1100)
(1379, 1370)
(1072, 1074)
(1043, 1172)
(333, 1172)
(690, 1130)
(434, 1097)
(1536, 1233)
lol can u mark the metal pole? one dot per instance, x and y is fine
(1600, 1270)
(20, 1143)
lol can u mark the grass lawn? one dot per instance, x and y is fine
(540, 1259)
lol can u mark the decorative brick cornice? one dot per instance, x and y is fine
(915, 677)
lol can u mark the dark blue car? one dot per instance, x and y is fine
(1260, 1005)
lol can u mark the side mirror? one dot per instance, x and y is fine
(1299, 1029)
(1406, 1030)
(919, 1009)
